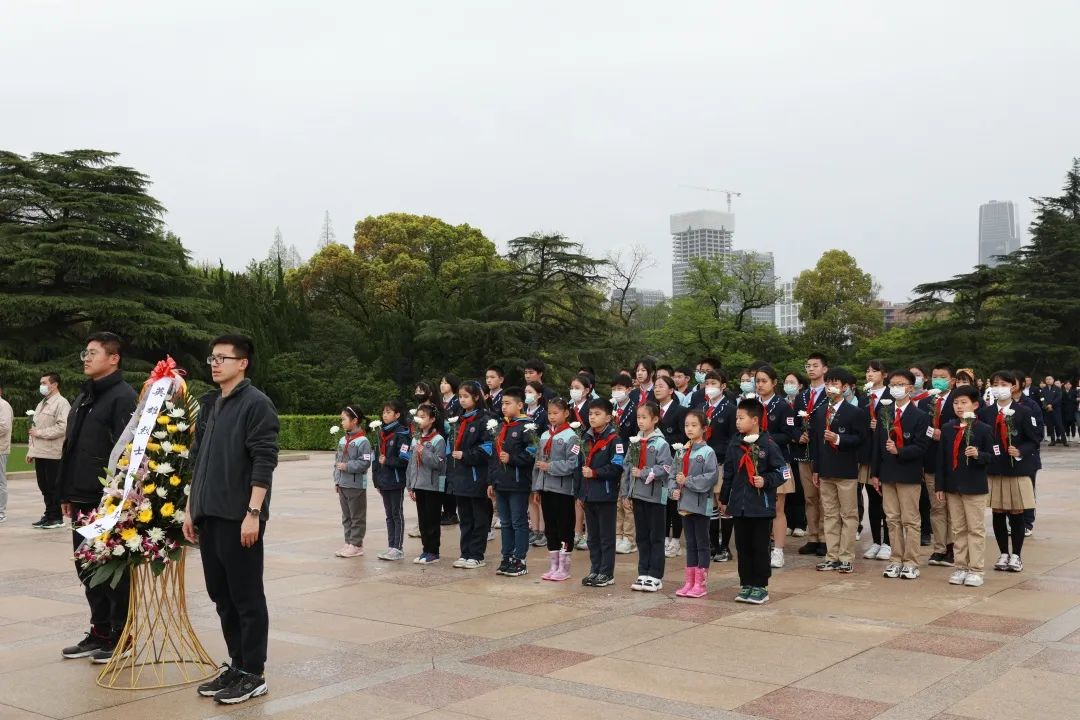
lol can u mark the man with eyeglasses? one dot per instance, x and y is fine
(95, 422)
(236, 451)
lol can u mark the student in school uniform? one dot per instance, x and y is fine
(388, 475)
(672, 413)
(494, 377)
(682, 376)
(555, 480)
(964, 452)
(778, 420)
(900, 442)
(425, 480)
(1016, 440)
(704, 367)
(1033, 402)
(601, 470)
(536, 409)
(672, 425)
(470, 447)
(719, 413)
(809, 404)
(938, 404)
(795, 503)
(646, 484)
(836, 438)
(696, 479)
(533, 371)
(580, 397)
(449, 385)
(753, 468)
(351, 463)
(644, 376)
(511, 471)
(625, 421)
(879, 549)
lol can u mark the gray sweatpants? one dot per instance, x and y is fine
(353, 514)
(3, 484)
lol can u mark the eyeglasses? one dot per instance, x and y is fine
(87, 354)
(219, 359)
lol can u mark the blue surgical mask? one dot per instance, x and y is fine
(747, 386)
(791, 389)
(918, 382)
(941, 384)
(699, 377)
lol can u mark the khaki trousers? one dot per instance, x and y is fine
(624, 523)
(901, 503)
(840, 516)
(813, 503)
(939, 518)
(967, 524)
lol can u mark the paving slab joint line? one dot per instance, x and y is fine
(1057, 628)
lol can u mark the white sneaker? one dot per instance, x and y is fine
(777, 559)
(638, 584)
(491, 535)
(973, 580)
(1027, 532)
(958, 577)
(798, 532)
(497, 524)
(670, 546)
(910, 572)
(885, 553)
(342, 549)
(1002, 562)
(858, 533)
(414, 533)
(391, 554)
(459, 563)
(651, 584)
(789, 532)
(1015, 563)
(471, 564)
(622, 547)
(871, 552)
(582, 542)
(892, 570)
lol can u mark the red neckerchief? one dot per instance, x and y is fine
(830, 411)
(598, 445)
(956, 444)
(686, 459)
(644, 452)
(937, 412)
(577, 413)
(384, 437)
(462, 424)
(921, 396)
(502, 435)
(746, 462)
(350, 437)
(429, 438)
(1002, 428)
(664, 409)
(618, 415)
(898, 429)
(551, 437)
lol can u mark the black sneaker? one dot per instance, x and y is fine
(244, 687)
(603, 580)
(516, 568)
(925, 540)
(87, 646)
(504, 567)
(589, 580)
(936, 559)
(451, 519)
(722, 556)
(105, 654)
(949, 560)
(53, 524)
(828, 565)
(40, 523)
(225, 678)
(844, 567)
(809, 548)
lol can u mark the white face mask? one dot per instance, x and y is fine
(791, 389)
(576, 394)
(43, 389)
(530, 398)
(618, 396)
(898, 393)
(1001, 392)
(712, 392)
(747, 386)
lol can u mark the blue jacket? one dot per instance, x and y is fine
(740, 497)
(906, 466)
(1024, 435)
(393, 440)
(515, 475)
(607, 464)
(468, 477)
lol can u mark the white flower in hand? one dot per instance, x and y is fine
(886, 402)
(969, 415)
(334, 429)
(375, 424)
(492, 424)
(677, 447)
(833, 389)
(530, 426)
(750, 396)
(1008, 412)
(750, 439)
(933, 392)
(413, 411)
(575, 425)
(29, 413)
(453, 419)
(868, 386)
(635, 440)
(803, 413)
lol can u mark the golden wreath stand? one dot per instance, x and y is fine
(162, 648)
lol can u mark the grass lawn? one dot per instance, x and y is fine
(17, 460)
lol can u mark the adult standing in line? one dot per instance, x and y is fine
(7, 419)
(97, 419)
(1052, 397)
(236, 452)
(46, 446)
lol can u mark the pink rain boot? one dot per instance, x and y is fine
(688, 584)
(563, 571)
(701, 586)
(553, 557)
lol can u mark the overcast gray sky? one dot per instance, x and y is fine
(877, 129)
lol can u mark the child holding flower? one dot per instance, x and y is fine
(645, 490)
(753, 469)
(511, 472)
(960, 481)
(389, 475)
(695, 484)
(555, 477)
(425, 480)
(351, 463)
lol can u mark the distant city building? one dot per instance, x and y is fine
(640, 298)
(893, 314)
(998, 231)
(702, 234)
(765, 315)
(787, 310)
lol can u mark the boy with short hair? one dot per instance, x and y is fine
(900, 442)
(602, 466)
(938, 404)
(960, 480)
(511, 471)
(809, 404)
(681, 376)
(494, 377)
(534, 372)
(625, 421)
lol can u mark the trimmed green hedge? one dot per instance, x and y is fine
(298, 432)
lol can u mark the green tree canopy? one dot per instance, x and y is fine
(837, 304)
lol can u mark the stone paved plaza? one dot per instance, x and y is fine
(362, 638)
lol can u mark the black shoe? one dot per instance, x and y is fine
(40, 523)
(936, 559)
(722, 556)
(603, 580)
(105, 654)
(822, 550)
(227, 677)
(516, 568)
(844, 567)
(589, 580)
(809, 548)
(828, 565)
(87, 646)
(451, 519)
(504, 567)
(245, 687)
(53, 524)
(925, 540)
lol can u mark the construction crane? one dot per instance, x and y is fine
(729, 193)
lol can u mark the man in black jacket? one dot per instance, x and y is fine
(236, 451)
(96, 420)
(1052, 405)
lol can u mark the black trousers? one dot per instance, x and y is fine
(752, 542)
(879, 529)
(449, 504)
(698, 551)
(559, 512)
(108, 606)
(650, 529)
(795, 503)
(674, 519)
(600, 519)
(1055, 426)
(48, 477)
(428, 513)
(234, 581)
(474, 522)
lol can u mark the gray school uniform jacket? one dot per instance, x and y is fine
(565, 459)
(701, 481)
(355, 452)
(427, 472)
(656, 480)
